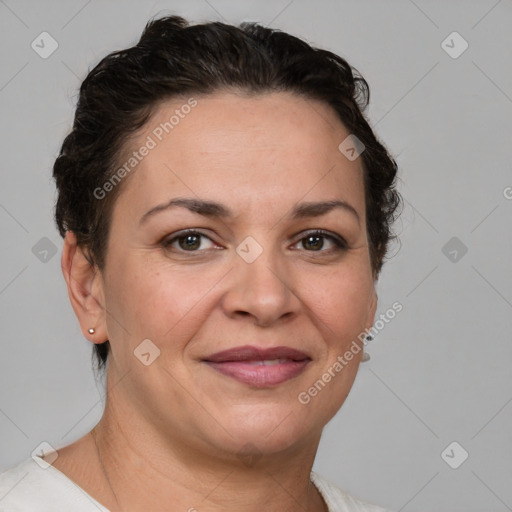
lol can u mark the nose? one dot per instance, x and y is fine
(261, 291)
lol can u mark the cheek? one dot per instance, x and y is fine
(342, 307)
(161, 300)
(339, 299)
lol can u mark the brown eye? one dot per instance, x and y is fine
(189, 241)
(313, 242)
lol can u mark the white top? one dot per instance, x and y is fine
(36, 486)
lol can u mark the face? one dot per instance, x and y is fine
(262, 253)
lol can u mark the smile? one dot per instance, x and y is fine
(259, 367)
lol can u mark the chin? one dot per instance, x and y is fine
(266, 429)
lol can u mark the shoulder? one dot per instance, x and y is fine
(339, 500)
(36, 486)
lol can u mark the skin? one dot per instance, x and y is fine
(177, 424)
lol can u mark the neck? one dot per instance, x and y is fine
(145, 470)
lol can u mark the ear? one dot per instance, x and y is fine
(85, 290)
(372, 308)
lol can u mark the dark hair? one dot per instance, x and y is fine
(173, 59)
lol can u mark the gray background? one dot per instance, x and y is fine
(439, 372)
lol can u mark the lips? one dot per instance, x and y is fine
(259, 367)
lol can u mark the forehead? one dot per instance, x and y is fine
(259, 146)
(226, 121)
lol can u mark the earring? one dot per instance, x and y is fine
(366, 356)
(92, 331)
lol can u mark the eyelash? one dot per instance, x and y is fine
(339, 243)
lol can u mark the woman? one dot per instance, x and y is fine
(226, 210)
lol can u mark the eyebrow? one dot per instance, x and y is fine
(217, 210)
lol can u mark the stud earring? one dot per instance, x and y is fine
(92, 331)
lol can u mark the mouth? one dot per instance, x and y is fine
(259, 367)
